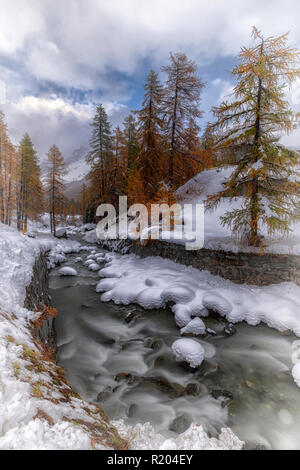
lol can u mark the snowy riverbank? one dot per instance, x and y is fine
(38, 409)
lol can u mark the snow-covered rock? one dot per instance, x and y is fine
(67, 271)
(94, 267)
(296, 373)
(61, 232)
(143, 437)
(195, 327)
(188, 350)
(90, 237)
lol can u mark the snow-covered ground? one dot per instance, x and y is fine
(218, 237)
(143, 437)
(38, 409)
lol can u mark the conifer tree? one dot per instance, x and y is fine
(150, 133)
(180, 105)
(119, 168)
(29, 188)
(56, 170)
(8, 174)
(100, 155)
(250, 126)
(130, 134)
(83, 201)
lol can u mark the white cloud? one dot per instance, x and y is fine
(54, 120)
(225, 89)
(80, 41)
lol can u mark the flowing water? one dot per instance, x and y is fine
(120, 357)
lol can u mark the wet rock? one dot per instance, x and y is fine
(192, 389)
(177, 390)
(253, 446)
(180, 424)
(221, 392)
(188, 368)
(152, 343)
(229, 329)
(159, 361)
(132, 410)
(130, 316)
(129, 378)
(103, 396)
(174, 390)
(211, 332)
(209, 368)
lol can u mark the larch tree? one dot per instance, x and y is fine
(119, 167)
(180, 104)
(83, 201)
(130, 135)
(100, 155)
(150, 135)
(250, 126)
(56, 170)
(30, 194)
(8, 174)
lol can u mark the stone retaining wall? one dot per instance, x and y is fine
(37, 297)
(249, 268)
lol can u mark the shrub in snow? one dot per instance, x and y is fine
(78, 259)
(67, 271)
(188, 350)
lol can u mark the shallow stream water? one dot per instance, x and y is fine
(120, 357)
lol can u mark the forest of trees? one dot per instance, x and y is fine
(159, 147)
(24, 194)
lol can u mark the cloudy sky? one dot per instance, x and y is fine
(58, 59)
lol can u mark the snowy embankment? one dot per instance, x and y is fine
(218, 237)
(154, 282)
(38, 409)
